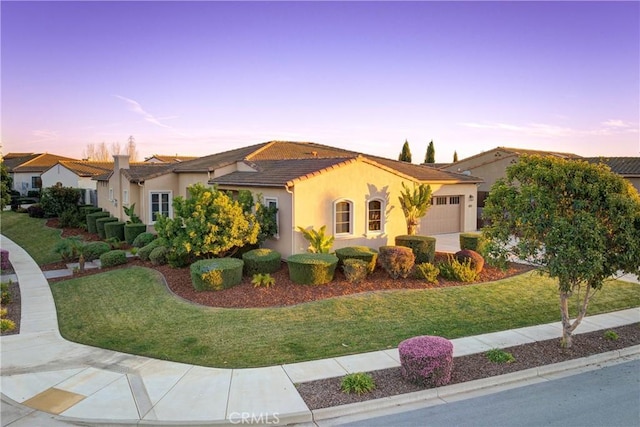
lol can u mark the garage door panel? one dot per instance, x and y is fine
(444, 216)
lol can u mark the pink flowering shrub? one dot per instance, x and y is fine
(426, 360)
(4, 260)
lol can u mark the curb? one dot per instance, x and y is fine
(489, 385)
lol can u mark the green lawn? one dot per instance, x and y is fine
(130, 310)
(32, 235)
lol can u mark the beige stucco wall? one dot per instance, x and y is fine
(22, 182)
(487, 166)
(635, 182)
(185, 180)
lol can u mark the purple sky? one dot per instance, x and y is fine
(196, 78)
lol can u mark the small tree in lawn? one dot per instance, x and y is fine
(405, 154)
(415, 203)
(579, 222)
(207, 224)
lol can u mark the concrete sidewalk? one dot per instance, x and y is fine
(45, 377)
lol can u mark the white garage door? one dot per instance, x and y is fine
(444, 216)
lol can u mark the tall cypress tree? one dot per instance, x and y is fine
(431, 154)
(455, 156)
(405, 154)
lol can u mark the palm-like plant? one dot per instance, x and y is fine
(415, 203)
(319, 243)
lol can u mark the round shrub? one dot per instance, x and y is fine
(143, 239)
(261, 261)
(396, 260)
(216, 274)
(4, 260)
(93, 250)
(426, 360)
(113, 258)
(370, 256)
(145, 251)
(473, 241)
(92, 218)
(477, 261)
(100, 222)
(423, 247)
(36, 211)
(355, 270)
(427, 272)
(133, 230)
(158, 255)
(114, 229)
(312, 269)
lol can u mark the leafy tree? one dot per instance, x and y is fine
(455, 156)
(207, 224)
(58, 199)
(415, 204)
(578, 221)
(405, 154)
(430, 157)
(5, 186)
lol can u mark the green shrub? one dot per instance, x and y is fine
(453, 269)
(359, 383)
(100, 222)
(114, 230)
(158, 256)
(423, 247)
(133, 230)
(86, 210)
(93, 250)
(91, 220)
(427, 272)
(355, 270)
(179, 260)
(70, 217)
(143, 239)
(261, 261)
(216, 274)
(319, 242)
(370, 256)
(113, 258)
(7, 325)
(145, 251)
(472, 241)
(65, 249)
(312, 269)
(611, 335)
(263, 280)
(397, 261)
(36, 211)
(497, 355)
(477, 261)
(5, 293)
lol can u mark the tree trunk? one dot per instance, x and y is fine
(566, 321)
(81, 263)
(412, 226)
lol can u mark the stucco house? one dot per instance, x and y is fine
(26, 169)
(76, 174)
(355, 195)
(627, 167)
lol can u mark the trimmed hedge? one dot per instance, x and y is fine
(423, 247)
(113, 258)
(355, 270)
(133, 230)
(145, 251)
(216, 274)
(426, 360)
(93, 250)
(396, 260)
(261, 261)
(472, 241)
(158, 256)
(114, 229)
(91, 220)
(143, 239)
(100, 222)
(364, 253)
(86, 210)
(312, 269)
(477, 261)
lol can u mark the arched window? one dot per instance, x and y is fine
(343, 217)
(375, 212)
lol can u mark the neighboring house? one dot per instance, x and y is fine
(157, 158)
(627, 167)
(26, 169)
(355, 195)
(76, 174)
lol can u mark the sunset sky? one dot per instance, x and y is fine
(196, 78)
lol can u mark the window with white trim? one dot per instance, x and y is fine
(272, 202)
(343, 217)
(125, 197)
(375, 209)
(160, 204)
(110, 194)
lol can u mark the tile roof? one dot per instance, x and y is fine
(87, 168)
(13, 160)
(169, 158)
(39, 163)
(625, 166)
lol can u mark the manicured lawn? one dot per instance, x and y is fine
(130, 310)
(32, 235)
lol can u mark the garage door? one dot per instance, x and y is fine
(444, 216)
